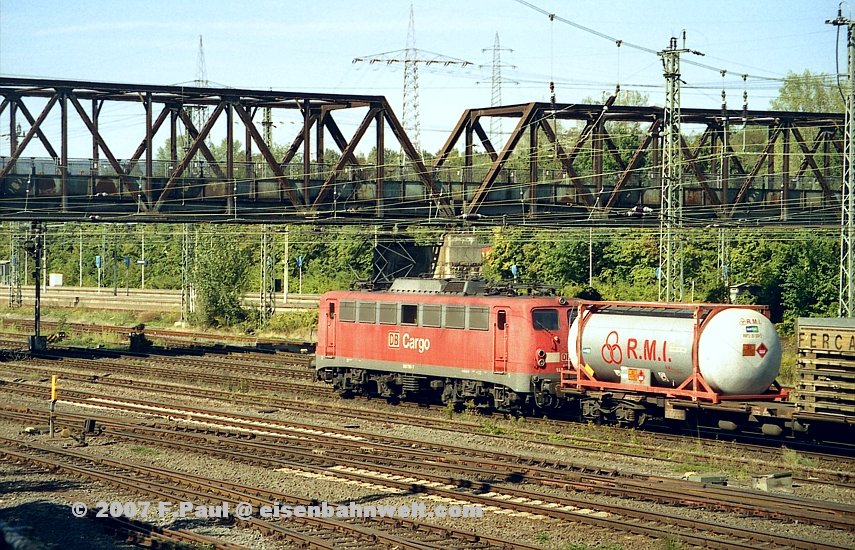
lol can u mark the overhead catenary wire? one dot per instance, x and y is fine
(632, 45)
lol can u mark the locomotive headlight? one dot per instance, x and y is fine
(541, 354)
(541, 363)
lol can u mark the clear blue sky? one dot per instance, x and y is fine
(309, 46)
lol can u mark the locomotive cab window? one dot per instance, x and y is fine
(544, 319)
(332, 310)
(409, 314)
(501, 319)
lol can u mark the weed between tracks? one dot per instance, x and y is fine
(795, 460)
(663, 545)
(241, 387)
(144, 451)
(109, 340)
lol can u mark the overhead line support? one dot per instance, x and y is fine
(847, 190)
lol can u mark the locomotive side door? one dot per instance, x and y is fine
(330, 321)
(500, 340)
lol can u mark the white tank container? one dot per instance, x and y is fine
(739, 351)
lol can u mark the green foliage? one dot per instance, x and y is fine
(297, 324)
(222, 267)
(809, 284)
(628, 267)
(809, 92)
(794, 272)
(332, 259)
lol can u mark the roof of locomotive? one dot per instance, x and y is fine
(454, 288)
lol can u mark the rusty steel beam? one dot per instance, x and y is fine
(770, 146)
(526, 119)
(424, 174)
(35, 128)
(692, 159)
(808, 158)
(197, 145)
(96, 136)
(567, 164)
(315, 114)
(346, 156)
(268, 155)
(634, 162)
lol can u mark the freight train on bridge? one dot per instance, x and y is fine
(326, 175)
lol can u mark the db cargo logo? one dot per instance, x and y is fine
(396, 340)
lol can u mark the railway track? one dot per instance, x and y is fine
(475, 491)
(806, 449)
(166, 335)
(311, 532)
(329, 453)
(822, 471)
(196, 369)
(134, 299)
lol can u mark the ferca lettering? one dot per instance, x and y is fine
(419, 344)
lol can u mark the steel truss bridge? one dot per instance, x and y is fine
(561, 163)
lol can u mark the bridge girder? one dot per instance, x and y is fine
(562, 163)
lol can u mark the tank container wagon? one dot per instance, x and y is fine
(694, 363)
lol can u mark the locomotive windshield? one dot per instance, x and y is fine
(544, 319)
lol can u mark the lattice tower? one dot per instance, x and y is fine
(847, 214)
(671, 211)
(268, 275)
(411, 58)
(496, 82)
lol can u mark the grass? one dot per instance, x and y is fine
(144, 451)
(242, 386)
(65, 316)
(795, 460)
(299, 325)
(589, 547)
(96, 340)
(789, 361)
(491, 428)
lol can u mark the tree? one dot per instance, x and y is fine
(809, 286)
(224, 265)
(808, 92)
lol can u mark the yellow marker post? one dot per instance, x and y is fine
(53, 388)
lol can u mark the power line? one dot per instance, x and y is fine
(496, 84)
(555, 17)
(412, 59)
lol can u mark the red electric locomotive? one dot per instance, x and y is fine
(445, 339)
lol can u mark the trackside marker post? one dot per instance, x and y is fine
(53, 388)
